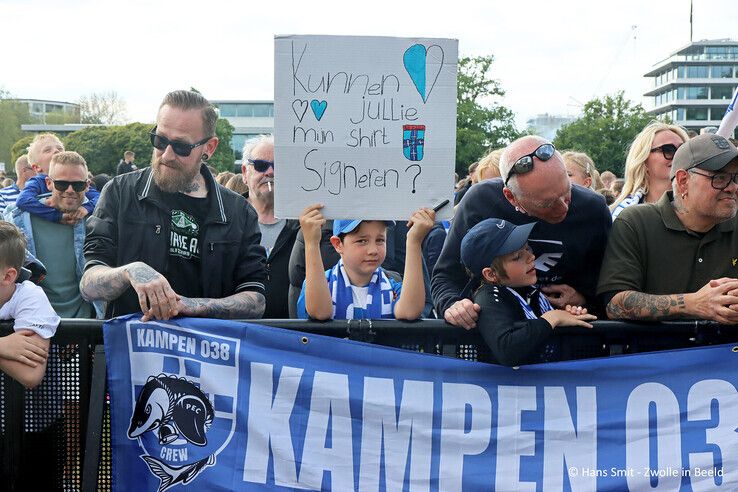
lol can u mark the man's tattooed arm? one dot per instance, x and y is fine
(243, 305)
(106, 283)
(103, 283)
(634, 305)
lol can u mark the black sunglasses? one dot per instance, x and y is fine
(261, 165)
(182, 149)
(668, 150)
(62, 185)
(525, 163)
(719, 181)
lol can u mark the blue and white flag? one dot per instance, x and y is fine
(219, 405)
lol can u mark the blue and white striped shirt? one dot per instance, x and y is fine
(8, 195)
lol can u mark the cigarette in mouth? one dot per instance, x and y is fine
(269, 184)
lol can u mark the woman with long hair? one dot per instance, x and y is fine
(648, 164)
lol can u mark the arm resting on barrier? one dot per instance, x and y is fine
(711, 302)
(242, 305)
(23, 357)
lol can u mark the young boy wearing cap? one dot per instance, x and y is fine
(496, 253)
(357, 286)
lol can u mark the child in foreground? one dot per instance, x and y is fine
(496, 253)
(23, 353)
(357, 287)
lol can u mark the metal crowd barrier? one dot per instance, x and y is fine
(59, 432)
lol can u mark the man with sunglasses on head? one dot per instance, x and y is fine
(569, 240)
(678, 257)
(59, 246)
(277, 235)
(168, 240)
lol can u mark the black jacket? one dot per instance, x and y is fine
(511, 344)
(131, 223)
(569, 252)
(278, 283)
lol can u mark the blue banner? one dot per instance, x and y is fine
(220, 405)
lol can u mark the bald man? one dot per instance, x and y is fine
(569, 240)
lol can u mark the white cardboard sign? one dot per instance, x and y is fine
(364, 125)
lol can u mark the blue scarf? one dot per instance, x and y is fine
(543, 304)
(629, 200)
(380, 300)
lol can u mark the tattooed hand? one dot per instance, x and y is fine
(155, 296)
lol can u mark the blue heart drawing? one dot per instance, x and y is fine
(415, 60)
(318, 108)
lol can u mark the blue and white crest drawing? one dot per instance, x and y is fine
(184, 394)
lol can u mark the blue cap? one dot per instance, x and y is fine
(346, 226)
(489, 239)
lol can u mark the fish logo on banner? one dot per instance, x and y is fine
(185, 386)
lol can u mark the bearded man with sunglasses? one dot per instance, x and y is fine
(569, 240)
(678, 257)
(168, 240)
(59, 246)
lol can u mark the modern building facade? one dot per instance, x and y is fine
(694, 85)
(250, 118)
(546, 125)
(39, 109)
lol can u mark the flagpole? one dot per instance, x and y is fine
(691, 10)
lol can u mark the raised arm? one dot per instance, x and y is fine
(318, 301)
(412, 299)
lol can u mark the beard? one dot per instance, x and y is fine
(177, 178)
(68, 204)
(263, 194)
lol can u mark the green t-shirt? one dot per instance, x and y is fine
(55, 248)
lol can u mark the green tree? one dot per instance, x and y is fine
(12, 116)
(482, 123)
(103, 146)
(223, 158)
(20, 147)
(604, 131)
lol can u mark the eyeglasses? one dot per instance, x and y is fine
(62, 185)
(667, 150)
(182, 149)
(525, 163)
(261, 165)
(719, 181)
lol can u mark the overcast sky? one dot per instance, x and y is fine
(551, 56)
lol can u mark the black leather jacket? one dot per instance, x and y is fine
(131, 223)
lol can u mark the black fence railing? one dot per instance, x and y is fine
(57, 436)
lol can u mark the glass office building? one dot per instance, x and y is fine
(249, 119)
(694, 85)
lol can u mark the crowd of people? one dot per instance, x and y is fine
(539, 239)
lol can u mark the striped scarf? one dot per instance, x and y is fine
(629, 200)
(543, 303)
(380, 299)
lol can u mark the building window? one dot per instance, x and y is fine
(722, 72)
(697, 72)
(699, 92)
(237, 141)
(718, 113)
(227, 110)
(721, 92)
(699, 114)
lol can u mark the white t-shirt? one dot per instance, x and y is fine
(31, 310)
